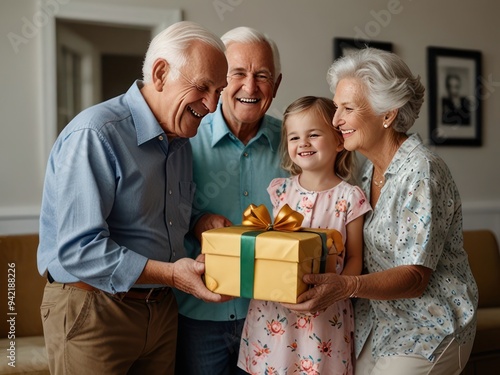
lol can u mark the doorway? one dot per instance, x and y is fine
(95, 62)
(131, 17)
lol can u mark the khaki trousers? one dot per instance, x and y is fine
(92, 332)
(451, 358)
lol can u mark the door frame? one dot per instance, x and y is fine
(155, 18)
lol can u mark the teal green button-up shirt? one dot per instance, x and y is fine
(229, 176)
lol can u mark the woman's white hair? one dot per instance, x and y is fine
(388, 82)
(172, 44)
(245, 34)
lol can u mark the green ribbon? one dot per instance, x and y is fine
(324, 251)
(247, 260)
(324, 248)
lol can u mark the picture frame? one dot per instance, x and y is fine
(342, 46)
(455, 106)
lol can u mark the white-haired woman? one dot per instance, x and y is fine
(416, 312)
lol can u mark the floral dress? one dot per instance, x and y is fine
(276, 340)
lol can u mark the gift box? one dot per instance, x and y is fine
(266, 261)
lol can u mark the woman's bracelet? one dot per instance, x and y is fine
(356, 289)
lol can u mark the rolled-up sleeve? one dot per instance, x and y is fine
(86, 188)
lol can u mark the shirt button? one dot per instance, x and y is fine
(160, 137)
(170, 223)
(232, 316)
(245, 154)
(170, 192)
(245, 193)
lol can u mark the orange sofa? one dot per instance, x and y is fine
(22, 336)
(484, 259)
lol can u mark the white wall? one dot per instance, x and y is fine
(304, 32)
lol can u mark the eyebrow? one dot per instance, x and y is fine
(204, 81)
(343, 103)
(309, 131)
(207, 82)
(262, 70)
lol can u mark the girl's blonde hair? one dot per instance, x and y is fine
(345, 161)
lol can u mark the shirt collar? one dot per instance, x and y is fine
(403, 153)
(396, 163)
(268, 133)
(221, 130)
(146, 125)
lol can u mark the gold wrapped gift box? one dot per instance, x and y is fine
(282, 258)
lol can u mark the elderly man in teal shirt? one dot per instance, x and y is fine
(235, 157)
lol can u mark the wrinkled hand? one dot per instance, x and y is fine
(328, 289)
(210, 221)
(187, 277)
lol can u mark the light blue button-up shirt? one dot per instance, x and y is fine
(116, 194)
(229, 176)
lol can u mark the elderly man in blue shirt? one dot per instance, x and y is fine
(235, 156)
(116, 207)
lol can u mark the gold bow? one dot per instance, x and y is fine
(258, 216)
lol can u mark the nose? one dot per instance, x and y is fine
(304, 143)
(211, 101)
(337, 120)
(249, 84)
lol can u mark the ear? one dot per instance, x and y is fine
(277, 85)
(390, 117)
(159, 73)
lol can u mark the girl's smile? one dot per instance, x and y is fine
(313, 144)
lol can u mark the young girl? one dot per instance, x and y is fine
(276, 340)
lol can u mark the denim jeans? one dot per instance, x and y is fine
(207, 347)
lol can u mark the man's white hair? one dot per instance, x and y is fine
(172, 44)
(245, 34)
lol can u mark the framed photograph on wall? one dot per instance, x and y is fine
(454, 96)
(342, 46)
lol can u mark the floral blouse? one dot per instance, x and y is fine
(417, 221)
